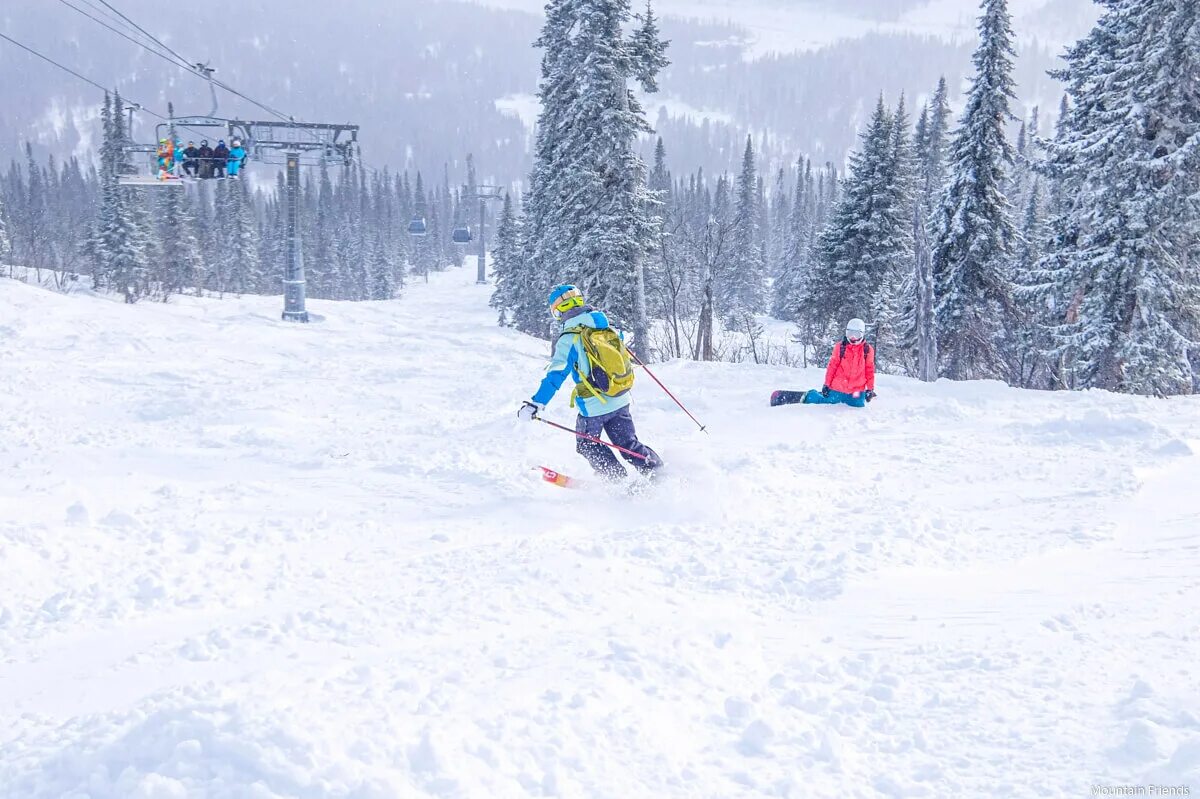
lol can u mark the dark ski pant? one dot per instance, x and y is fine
(621, 431)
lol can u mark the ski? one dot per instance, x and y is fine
(559, 479)
(787, 398)
(634, 485)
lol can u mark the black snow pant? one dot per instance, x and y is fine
(218, 168)
(620, 429)
(191, 166)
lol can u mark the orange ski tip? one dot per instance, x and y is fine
(551, 476)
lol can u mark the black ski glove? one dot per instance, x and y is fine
(870, 395)
(824, 391)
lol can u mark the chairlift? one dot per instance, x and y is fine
(462, 234)
(154, 174)
(417, 226)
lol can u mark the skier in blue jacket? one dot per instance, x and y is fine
(597, 413)
(237, 157)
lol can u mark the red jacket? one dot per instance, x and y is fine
(853, 372)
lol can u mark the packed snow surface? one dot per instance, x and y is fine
(243, 558)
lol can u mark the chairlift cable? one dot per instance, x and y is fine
(55, 63)
(181, 62)
(108, 15)
(91, 82)
(144, 31)
(122, 34)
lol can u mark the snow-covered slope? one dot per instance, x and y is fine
(240, 558)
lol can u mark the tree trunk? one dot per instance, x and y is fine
(641, 322)
(704, 342)
(927, 354)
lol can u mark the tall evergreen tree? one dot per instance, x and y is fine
(507, 267)
(182, 257)
(5, 241)
(973, 230)
(789, 285)
(1122, 267)
(932, 144)
(868, 239)
(588, 220)
(743, 287)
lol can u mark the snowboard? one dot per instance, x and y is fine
(787, 398)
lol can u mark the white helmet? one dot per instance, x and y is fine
(856, 330)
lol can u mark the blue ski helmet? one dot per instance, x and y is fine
(563, 298)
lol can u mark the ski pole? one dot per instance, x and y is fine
(703, 428)
(586, 437)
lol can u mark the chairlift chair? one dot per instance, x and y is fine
(151, 177)
(417, 226)
(462, 234)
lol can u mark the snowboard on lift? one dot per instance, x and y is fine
(787, 398)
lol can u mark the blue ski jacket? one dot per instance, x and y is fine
(569, 359)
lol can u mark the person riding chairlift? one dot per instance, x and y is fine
(237, 158)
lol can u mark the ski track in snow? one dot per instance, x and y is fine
(242, 558)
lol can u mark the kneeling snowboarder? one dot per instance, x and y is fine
(591, 352)
(849, 378)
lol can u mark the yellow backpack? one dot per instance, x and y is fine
(611, 372)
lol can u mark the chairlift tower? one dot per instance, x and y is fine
(484, 194)
(300, 143)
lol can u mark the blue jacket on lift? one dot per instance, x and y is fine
(236, 156)
(570, 359)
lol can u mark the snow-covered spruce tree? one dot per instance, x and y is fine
(93, 247)
(360, 266)
(121, 244)
(1028, 153)
(219, 237)
(1034, 364)
(868, 240)
(452, 216)
(274, 237)
(742, 289)
(435, 253)
(796, 257)
(508, 269)
(321, 269)
(931, 144)
(973, 230)
(557, 91)
(423, 247)
(5, 242)
(1122, 266)
(382, 269)
(182, 259)
(898, 289)
(37, 250)
(923, 327)
(241, 248)
(587, 213)
(779, 218)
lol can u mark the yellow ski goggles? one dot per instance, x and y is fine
(569, 300)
